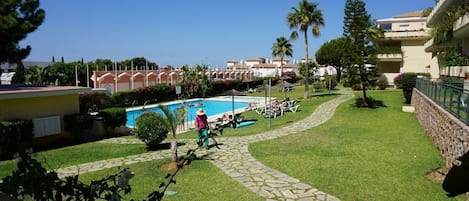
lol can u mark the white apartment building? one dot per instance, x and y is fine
(402, 47)
(460, 31)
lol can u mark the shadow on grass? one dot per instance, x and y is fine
(370, 103)
(163, 146)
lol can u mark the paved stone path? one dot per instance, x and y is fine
(235, 160)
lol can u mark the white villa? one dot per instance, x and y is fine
(263, 67)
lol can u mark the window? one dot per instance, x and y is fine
(385, 27)
(404, 27)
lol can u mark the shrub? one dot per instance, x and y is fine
(114, 117)
(398, 80)
(77, 124)
(382, 82)
(149, 129)
(357, 87)
(94, 101)
(333, 81)
(408, 83)
(318, 85)
(15, 136)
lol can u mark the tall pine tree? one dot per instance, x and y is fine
(19, 76)
(18, 18)
(357, 26)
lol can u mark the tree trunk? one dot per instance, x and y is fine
(306, 93)
(174, 149)
(362, 77)
(281, 67)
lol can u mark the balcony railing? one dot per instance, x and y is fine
(440, 8)
(454, 71)
(389, 57)
(406, 34)
(450, 96)
(461, 26)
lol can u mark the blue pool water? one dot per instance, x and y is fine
(211, 107)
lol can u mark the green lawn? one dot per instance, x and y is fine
(78, 154)
(201, 181)
(361, 154)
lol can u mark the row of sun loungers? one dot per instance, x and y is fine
(278, 109)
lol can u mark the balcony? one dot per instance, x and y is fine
(406, 35)
(454, 71)
(439, 10)
(429, 47)
(461, 27)
(396, 57)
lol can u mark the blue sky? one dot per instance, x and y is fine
(183, 32)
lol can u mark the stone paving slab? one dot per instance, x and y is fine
(235, 160)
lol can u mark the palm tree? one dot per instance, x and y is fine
(170, 121)
(305, 15)
(282, 47)
(41, 73)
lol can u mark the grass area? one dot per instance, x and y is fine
(201, 181)
(361, 154)
(305, 109)
(73, 155)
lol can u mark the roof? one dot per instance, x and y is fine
(255, 59)
(29, 91)
(232, 61)
(418, 13)
(264, 66)
(415, 16)
(279, 59)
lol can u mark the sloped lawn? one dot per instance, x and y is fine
(361, 154)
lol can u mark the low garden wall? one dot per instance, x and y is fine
(450, 135)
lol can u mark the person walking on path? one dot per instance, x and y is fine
(201, 125)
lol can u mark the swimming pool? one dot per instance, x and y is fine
(211, 107)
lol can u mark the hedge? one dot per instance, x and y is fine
(15, 136)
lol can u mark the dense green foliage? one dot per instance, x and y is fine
(18, 18)
(335, 53)
(78, 124)
(113, 117)
(15, 136)
(92, 102)
(453, 58)
(148, 129)
(140, 96)
(19, 77)
(408, 84)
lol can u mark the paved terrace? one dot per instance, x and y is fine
(235, 160)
